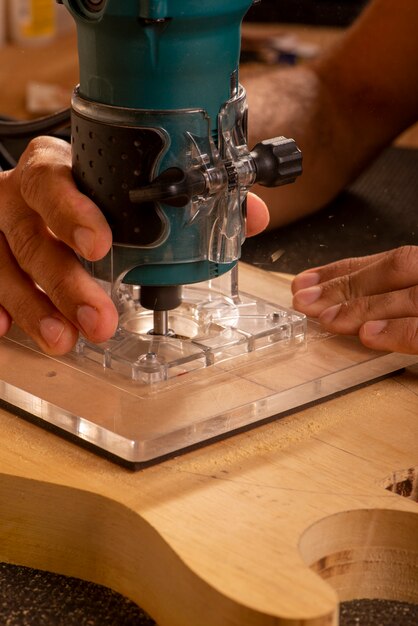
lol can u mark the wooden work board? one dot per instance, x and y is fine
(272, 526)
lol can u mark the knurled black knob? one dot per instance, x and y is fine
(278, 161)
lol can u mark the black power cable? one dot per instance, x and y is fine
(6, 160)
(14, 132)
(31, 128)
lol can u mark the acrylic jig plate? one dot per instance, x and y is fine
(194, 388)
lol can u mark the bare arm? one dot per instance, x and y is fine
(343, 108)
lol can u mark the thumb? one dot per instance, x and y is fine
(257, 215)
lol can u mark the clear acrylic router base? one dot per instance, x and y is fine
(230, 361)
(211, 326)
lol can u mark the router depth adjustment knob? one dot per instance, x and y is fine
(278, 161)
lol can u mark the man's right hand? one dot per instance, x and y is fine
(44, 221)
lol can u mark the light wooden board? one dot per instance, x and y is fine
(269, 527)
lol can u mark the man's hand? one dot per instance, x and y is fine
(375, 297)
(44, 220)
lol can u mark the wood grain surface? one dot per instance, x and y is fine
(271, 526)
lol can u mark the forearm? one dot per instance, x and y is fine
(294, 103)
(343, 108)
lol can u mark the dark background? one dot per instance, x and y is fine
(318, 12)
(377, 212)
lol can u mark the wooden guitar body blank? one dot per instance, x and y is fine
(272, 526)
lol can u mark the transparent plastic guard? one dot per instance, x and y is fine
(213, 324)
(231, 360)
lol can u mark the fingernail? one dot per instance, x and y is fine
(308, 296)
(329, 314)
(51, 329)
(305, 279)
(375, 327)
(84, 241)
(88, 318)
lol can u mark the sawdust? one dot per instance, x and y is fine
(262, 442)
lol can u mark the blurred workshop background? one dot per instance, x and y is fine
(39, 82)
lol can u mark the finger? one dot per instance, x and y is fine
(400, 335)
(393, 262)
(5, 321)
(41, 320)
(347, 318)
(257, 215)
(322, 274)
(43, 177)
(395, 270)
(55, 268)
